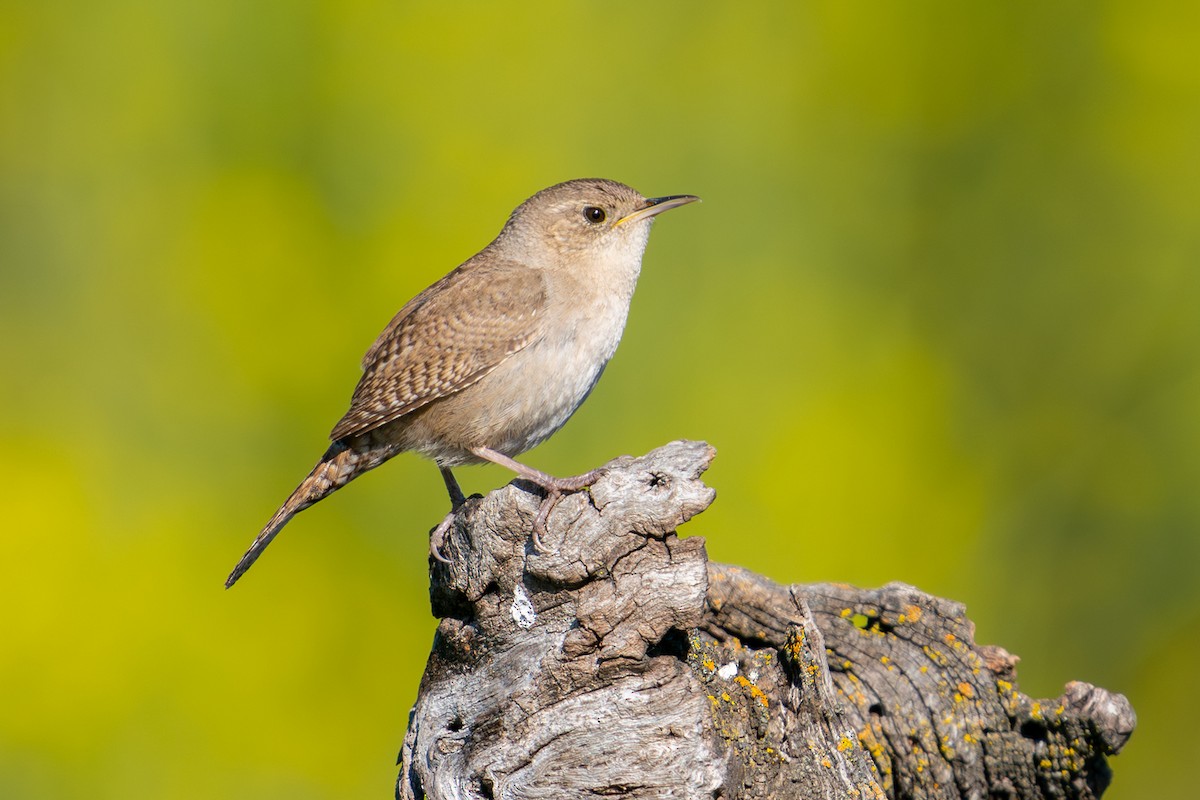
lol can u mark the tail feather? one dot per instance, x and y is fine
(337, 467)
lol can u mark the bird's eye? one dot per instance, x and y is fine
(593, 214)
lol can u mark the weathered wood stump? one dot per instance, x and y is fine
(621, 662)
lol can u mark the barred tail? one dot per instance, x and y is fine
(340, 465)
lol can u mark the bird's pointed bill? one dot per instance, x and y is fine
(657, 205)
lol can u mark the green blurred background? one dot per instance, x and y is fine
(939, 313)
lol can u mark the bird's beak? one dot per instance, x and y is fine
(657, 205)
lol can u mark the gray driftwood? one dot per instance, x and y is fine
(620, 662)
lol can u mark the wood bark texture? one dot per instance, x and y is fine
(620, 662)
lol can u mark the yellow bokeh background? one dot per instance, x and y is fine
(939, 313)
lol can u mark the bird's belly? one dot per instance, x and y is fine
(514, 408)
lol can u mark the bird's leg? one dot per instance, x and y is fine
(547, 482)
(438, 536)
(554, 487)
(456, 495)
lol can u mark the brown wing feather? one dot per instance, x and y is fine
(445, 339)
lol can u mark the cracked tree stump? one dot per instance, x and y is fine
(621, 662)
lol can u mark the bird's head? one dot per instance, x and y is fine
(590, 219)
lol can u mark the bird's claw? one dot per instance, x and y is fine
(554, 493)
(539, 523)
(437, 538)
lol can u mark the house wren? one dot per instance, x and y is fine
(494, 358)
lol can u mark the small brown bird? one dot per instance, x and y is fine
(494, 358)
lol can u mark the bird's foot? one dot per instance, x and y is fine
(555, 488)
(437, 537)
(539, 523)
